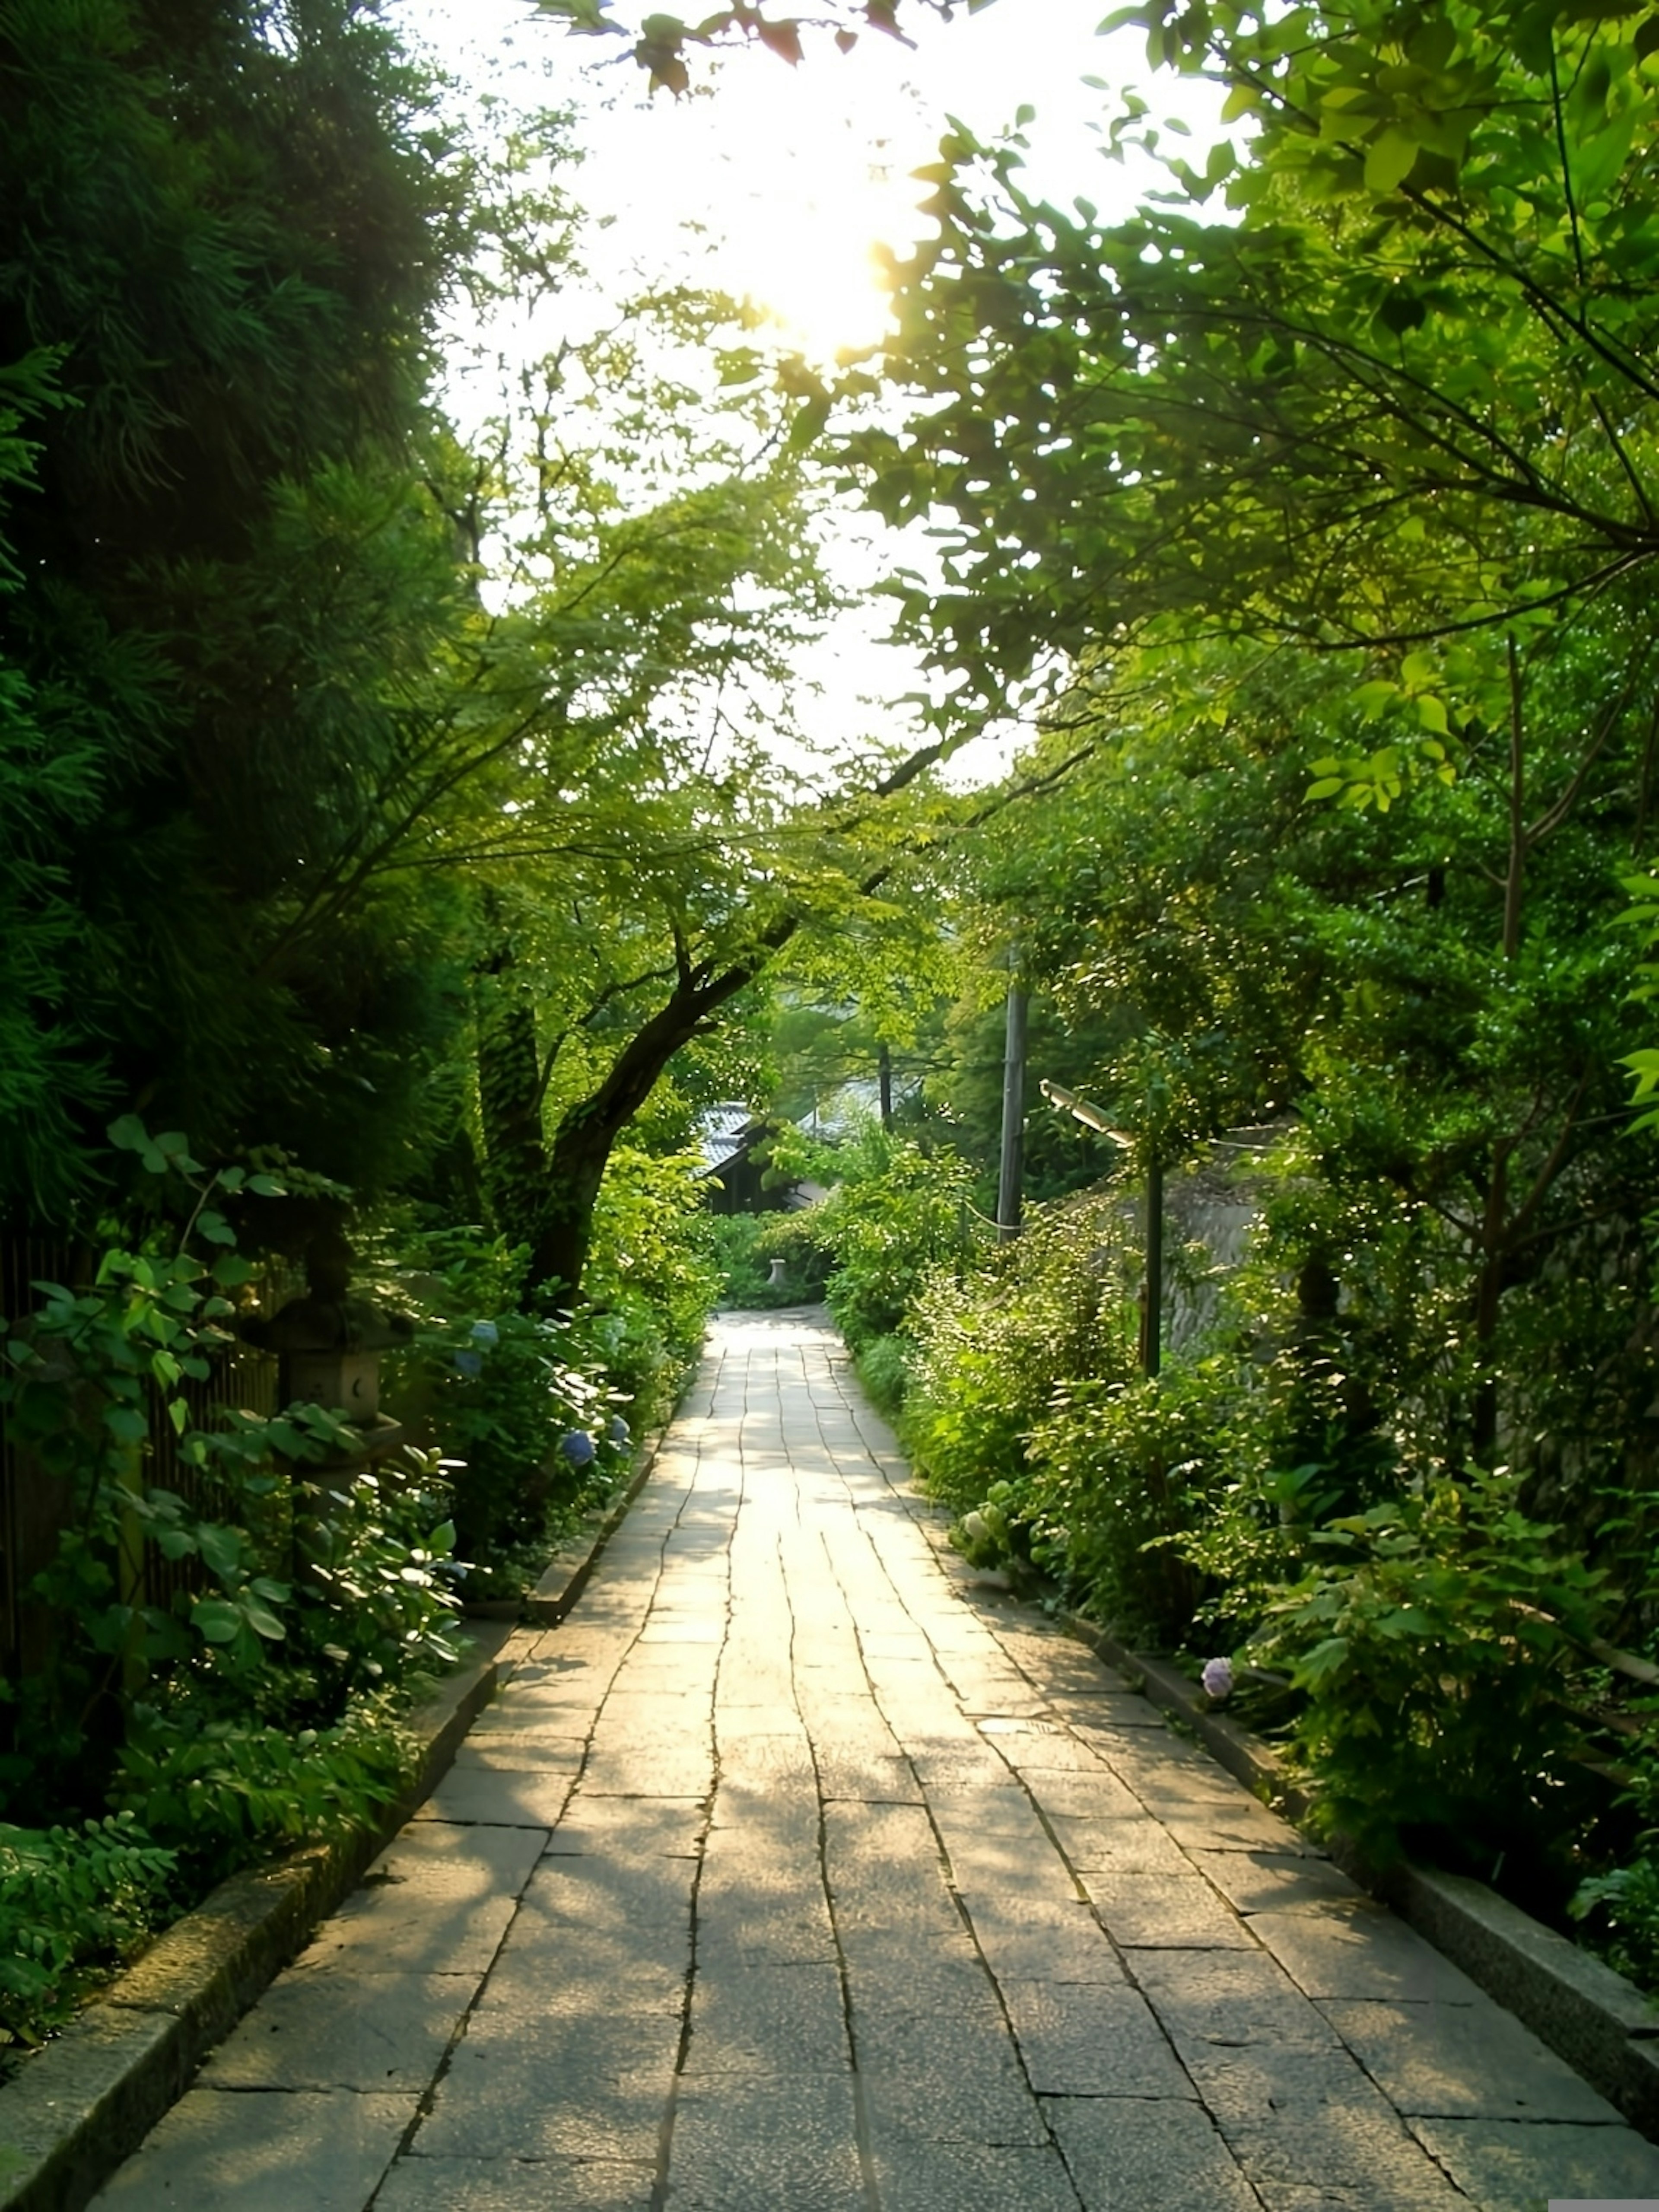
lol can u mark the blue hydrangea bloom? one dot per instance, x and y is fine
(620, 1432)
(470, 1363)
(485, 1332)
(578, 1447)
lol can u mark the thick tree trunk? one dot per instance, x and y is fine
(584, 1140)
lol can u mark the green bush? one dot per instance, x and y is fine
(883, 1368)
(1621, 1912)
(1120, 1471)
(253, 1705)
(742, 1248)
(511, 1405)
(897, 1209)
(990, 1348)
(1434, 1640)
(73, 1904)
(228, 1792)
(650, 1284)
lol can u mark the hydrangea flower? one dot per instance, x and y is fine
(578, 1447)
(470, 1363)
(619, 1431)
(485, 1332)
(1217, 1677)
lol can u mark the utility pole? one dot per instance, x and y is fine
(1010, 1182)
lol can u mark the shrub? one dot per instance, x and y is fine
(1433, 1640)
(226, 1792)
(650, 1284)
(502, 1393)
(1120, 1471)
(73, 1904)
(883, 1369)
(897, 1209)
(742, 1248)
(991, 1349)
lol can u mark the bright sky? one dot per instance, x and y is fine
(774, 183)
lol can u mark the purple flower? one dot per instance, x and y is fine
(1217, 1677)
(577, 1447)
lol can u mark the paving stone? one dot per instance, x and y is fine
(1119, 1847)
(768, 2022)
(1162, 1911)
(542, 2099)
(514, 1751)
(1508, 2165)
(1244, 1826)
(755, 2146)
(1232, 1998)
(500, 1796)
(945, 2092)
(665, 1770)
(1352, 1947)
(385, 2033)
(555, 1724)
(263, 2151)
(503, 2184)
(1021, 1855)
(1091, 2039)
(865, 1777)
(1037, 1942)
(1163, 2154)
(730, 1931)
(1368, 2163)
(428, 1913)
(598, 1825)
(919, 2174)
(1471, 2060)
(1095, 1795)
(1265, 1881)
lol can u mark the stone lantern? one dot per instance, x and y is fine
(330, 1343)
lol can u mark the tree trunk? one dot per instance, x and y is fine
(583, 1142)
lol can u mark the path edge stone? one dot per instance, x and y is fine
(1595, 2019)
(85, 2103)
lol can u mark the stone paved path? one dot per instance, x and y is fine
(794, 1873)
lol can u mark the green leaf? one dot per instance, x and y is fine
(129, 1134)
(217, 1620)
(1324, 1659)
(221, 1548)
(1390, 159)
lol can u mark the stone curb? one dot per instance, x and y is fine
(1601, 2024)
(83, 2103)
(79, 2106)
